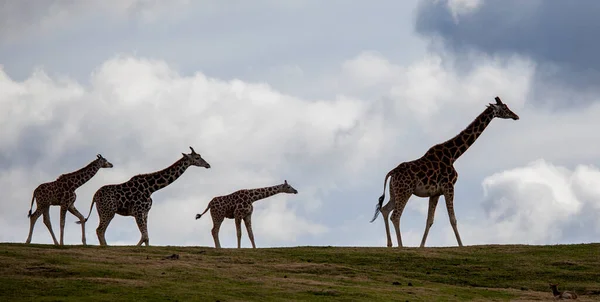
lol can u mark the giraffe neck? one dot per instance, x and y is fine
(555, 291)
(160, 179)
(262, 193)
(456, 146)
(77, 178)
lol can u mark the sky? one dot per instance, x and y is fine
(328, 95)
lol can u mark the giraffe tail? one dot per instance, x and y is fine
(88, 216)
(31, 207)
(381, 198)
(207, 207)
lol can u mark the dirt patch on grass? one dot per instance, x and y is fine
(120, 281)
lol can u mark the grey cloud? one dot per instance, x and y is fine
(560, 36)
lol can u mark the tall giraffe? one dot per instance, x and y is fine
(238, 206)
(61, 192)
(132, 198)
(434, 175)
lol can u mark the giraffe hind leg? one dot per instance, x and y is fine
(48, 224)
(141, 221)
(32, 220)
(217, 221)
(385, 212)
(400, 203)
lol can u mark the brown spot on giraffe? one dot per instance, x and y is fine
(61, 192)
(238, 206)
(439, 178)
(133, 197)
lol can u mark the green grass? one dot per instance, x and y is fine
(480, 273)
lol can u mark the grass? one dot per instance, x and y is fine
(476, 273)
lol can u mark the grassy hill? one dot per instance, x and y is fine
(92, 273)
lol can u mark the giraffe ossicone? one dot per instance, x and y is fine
(238, 206)
(133, 197)
(61, 192)
(433, 175)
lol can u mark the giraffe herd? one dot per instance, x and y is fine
(432, 175)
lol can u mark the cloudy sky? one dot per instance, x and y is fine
(328, 95)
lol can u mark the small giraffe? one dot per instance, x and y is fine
(132, 198)
(564, 295)
(238, 206)
(61, 192)
(434, 175)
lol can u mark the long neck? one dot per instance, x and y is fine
(160, 179)
(456, 146)
(77, 178)
(262, 193)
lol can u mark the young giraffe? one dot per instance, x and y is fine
(61, 192)
(564, 295)
(434, 175)
(132, 198)
(238, 206)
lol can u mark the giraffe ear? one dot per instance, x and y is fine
(498, 101)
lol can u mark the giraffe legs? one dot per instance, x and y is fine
(400, 203)
(102, 225)
(238, 228)
(142, 222)
(32, 220)
(248, 223)
(49, 224)
(74, 211)
(385, 212)
(63, 214)
(215, 231)
(433, 201)
(449, 197)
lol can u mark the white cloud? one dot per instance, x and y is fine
(536, 203)
(19, 17)
(462, 7)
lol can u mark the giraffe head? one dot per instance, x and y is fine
(286, 188)
(103, 162)
(501, 110)
(195, 159)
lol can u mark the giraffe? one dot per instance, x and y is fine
(433, 174)
(133, 197)
(61, 192)
(238, 206)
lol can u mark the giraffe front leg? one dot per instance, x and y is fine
(449, 197)
(248, 223)
(238, 228)
(49, 224)
(32, 220)
(63, 216)
(433, 201)
(74, 211)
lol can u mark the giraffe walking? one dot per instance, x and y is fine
(132, 198)
(433, 175)
(238, 206)
(61, 192)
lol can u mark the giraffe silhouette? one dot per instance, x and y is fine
(133, 197)
(61, 192)
(238, 206)
(433, 174)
